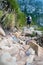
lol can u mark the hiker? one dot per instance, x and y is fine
(29, 20)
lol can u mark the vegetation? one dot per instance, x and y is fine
(1, 13)
(21, 17)
(9, 21)
(16, 17)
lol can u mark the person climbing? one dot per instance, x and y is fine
(29, 20)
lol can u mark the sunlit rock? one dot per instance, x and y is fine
(2, 32)
(30, 52)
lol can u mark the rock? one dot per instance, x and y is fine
(31, 55)
(41, 40)
(1, 52)
(40, 51)
(15, 39)
(22, 38)
(3, 42)
(21, 62)
(9, 39)
(22, 42)
(0, 39)
(33, 45)
(2, 32)
(14, 50)
(34, 38)
(30, 59)
(17, 34)
(5, 48)
(14, 61)
(18, 50)
(15, 29)
(38, 32)
(26, 47)
(22, 53)
(6, 59)
(28, 31)
(32, 29)
(30, 52)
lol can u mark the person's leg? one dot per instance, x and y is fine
(27, 24)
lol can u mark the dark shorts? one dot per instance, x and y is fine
(28, 22)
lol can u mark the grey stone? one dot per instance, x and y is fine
(30, 52)
(30, 59)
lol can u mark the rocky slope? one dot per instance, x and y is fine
(19, 48)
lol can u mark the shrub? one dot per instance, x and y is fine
(9, 22)
(9, 19)
(1, 13)
(21, 19)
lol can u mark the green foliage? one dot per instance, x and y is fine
(21, 17)
(9, 21)
(1, 13)
(14, 5)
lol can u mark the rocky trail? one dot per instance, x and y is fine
(21, 47)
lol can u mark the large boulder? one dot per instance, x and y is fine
(36, 47)
(31, 55)
(28, 31)
(30, 52)
(33, 45)
(30, 60)
(6, 59)
(40, 51)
